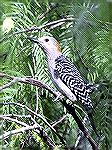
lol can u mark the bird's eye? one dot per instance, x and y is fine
(46, 40)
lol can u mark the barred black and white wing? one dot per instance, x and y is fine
(70, 76)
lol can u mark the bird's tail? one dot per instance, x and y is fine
(91, 119)
(89, 109)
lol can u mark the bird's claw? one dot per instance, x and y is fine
(58, 97)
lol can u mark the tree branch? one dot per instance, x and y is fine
(35, 28)
(15, 79)
(38, 129)
(52, 7)
(12, 132)
(13, 120)
(70, 109)
(35, 114)
(30, 81)
(59, 121)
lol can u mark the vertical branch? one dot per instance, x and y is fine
(72, 111)
(37, 101)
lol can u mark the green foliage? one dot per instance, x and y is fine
(86, 42)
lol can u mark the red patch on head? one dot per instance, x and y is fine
(58, 47)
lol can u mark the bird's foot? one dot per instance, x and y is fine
(58, 97)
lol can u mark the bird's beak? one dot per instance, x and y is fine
(35, 40)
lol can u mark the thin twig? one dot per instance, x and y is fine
(52, 7)
(31, 111)
(59, 121)
(39, 130)
(30, 81)
(35, 114)
(13, 120)
(15, 79)
(35, 28)
(23, 129)
(19, 116)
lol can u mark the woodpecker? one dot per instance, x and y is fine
(65, 74)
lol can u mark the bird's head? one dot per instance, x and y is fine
(49, 44)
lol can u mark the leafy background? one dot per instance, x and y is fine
(87, 42)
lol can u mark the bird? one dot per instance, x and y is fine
(65, 75)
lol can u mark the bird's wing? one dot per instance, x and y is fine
(64, 65)
(71, 77)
